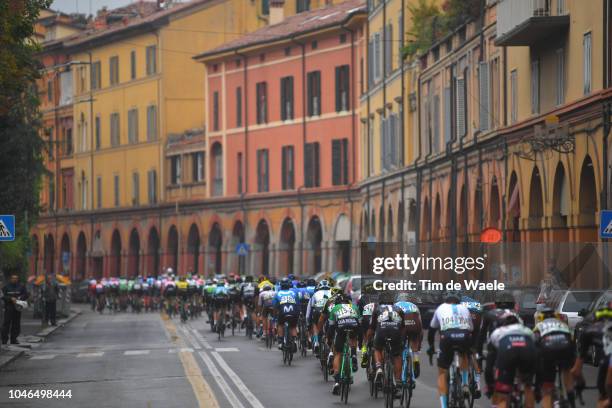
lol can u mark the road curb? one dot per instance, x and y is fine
(44, 333)
(7, 356)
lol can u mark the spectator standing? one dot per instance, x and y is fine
(50, 293)
(12, 292)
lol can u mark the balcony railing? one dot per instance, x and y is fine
(527, 22)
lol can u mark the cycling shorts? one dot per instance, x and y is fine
(315, 314)
(413, 325)
(267, 311)
(389, 332)
(341, 334)
(220, 302)
(450, 341)
(602, 374)
(556, 350)
(515, 353)
(249, 301)
(290, 318)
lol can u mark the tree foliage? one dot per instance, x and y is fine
(430, 23)
(21, 146)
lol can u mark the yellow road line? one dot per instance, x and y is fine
(201, 389)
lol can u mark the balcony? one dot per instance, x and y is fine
(529, 22)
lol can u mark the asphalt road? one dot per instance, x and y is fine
(129, 360)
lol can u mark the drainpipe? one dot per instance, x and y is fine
(402, 97)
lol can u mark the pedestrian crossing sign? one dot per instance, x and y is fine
(605, 224)
(7, 227)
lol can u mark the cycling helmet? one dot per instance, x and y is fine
(266, 287)
(209, 281)
(336, 291)
(546, 312)
(403, 297)
(504, 300)
(368, 288)
(452, 296)
(285, 284)
(386, 298)
(291, 277)
(311, 282)
(604, 312)
(301, 284)
(323, 285)
(248, 278)
(509, 317)
(342, 298)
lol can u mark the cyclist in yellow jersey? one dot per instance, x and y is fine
(263, 281)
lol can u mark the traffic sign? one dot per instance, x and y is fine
(7, 227)
(605, 224)
(242, 249)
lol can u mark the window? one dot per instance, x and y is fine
(113, 66)
(116, 189)
(152, 185)
(339, 162)
(99, 192)
(239, 163)
(311, 165)
(560, 76)
(152, 122)
(114, 129)
(342, 88)
(83, 132)
(302, 5)
(314, 44)
(83, 191)
(98, 135)
(217, 169)
(95, 75)
(586, 64)
(50, 91)
(287, 51)
(133, 65)
(287, 98)
(388, 49)
(262, 171)
(314, 93)
(51, 192)
(287, 170)
(513, 96)
(133, 126)
(262, 102)
(389, 131)
(216, 110)
(535, 86)
(175, 170)
(151, 60)
(50, 142)
(135, 188)
(376, 61)
(342, 38)
(239, 106)
(461, 111)
(265, 7)
(483, 79)
(69, 141)
(198, 167)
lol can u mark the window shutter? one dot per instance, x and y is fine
(370, 63)
(436, 123)
(447, 114)
(345, 161)
(483, 113)
(336, 162)
(316, 165)
(283, 89)
(389, 49)
(291, 110)
(383, 141)
(460, 107)
(338, 89)
(308, 162)
(259, 170)
(400, 38)
(284, 167)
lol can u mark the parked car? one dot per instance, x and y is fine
(571, 302)
(588, 317)
(80, 291)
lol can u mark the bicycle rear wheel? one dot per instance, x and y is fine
(388, 380)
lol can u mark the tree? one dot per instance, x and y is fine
(21, 146)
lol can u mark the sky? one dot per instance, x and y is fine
(86, 6)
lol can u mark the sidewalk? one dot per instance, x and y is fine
(33, 332)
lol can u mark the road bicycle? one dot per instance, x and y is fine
(388, 385)
(408, 381)
(303, 335)
(220, 324)
(323, 357)
(183, 310)
(287, 345)
(248, 322)
(346, 368)
(270, 332)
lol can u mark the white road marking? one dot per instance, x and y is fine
(225, 388)
(190, 338)
(81, 355)
(237, 381)
(186, 350)
(136, 352)
(201, 338)
(43, 357)
(226, 349)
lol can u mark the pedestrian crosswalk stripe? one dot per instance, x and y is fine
(80, 355)
(182, 350)
(136, 352)
(226, 349)
(43, 357)
(608, 229)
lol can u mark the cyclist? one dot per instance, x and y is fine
(169, 293)
(455, 325)
(387, 322)
(599, 333)
(490, 314)
(136, 293)
(220, 299)
(323, 323)
(511, 349)
(233, 290)
(123, 293)
(287, 309)
(314, 308)
(366, 303)
(344, 316)
(413, 328)
(265, 305)
(99, 299)
(247, 296)
(475, 310)
(182, 291)
(556, 349)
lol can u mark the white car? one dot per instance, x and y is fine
(571, 302)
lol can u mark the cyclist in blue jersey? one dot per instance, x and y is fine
(475, 309)
(287, 309)
(220, 297)
(413, 327)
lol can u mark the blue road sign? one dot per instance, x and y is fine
(605, 224)
(7, 227)
(242, 249)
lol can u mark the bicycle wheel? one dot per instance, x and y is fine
(324, 361)
(388, 380)
(345, 377)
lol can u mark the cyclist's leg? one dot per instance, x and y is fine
(445, 358)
